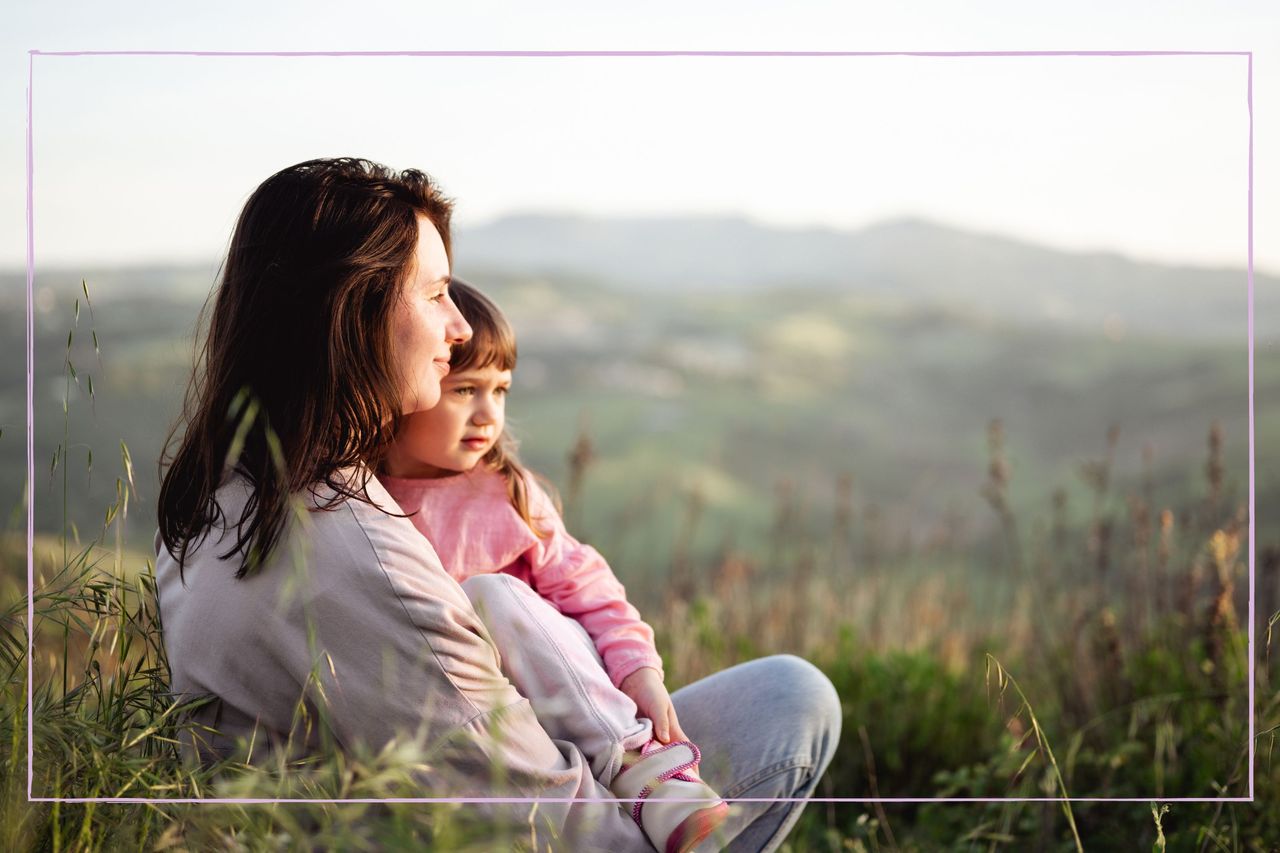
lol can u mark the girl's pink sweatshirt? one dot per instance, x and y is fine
(475, 530)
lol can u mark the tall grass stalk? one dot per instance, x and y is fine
(1005, 681)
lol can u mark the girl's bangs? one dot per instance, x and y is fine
(489, 345)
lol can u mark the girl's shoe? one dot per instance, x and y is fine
(673, 806)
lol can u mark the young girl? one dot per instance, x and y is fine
(593, 678)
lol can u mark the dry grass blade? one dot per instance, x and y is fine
(1042, 743)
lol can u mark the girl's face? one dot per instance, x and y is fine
(456, 434)
(426, 323)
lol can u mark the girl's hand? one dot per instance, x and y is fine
(646, 689)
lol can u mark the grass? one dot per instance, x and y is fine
(1160, 718)
(1101, 656)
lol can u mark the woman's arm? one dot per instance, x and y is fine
(354, 621)
(441, 665)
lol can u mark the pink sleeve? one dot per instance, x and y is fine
(578, 581)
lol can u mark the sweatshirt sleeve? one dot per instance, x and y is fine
(353, 630)
(578, 581)
(415, 632)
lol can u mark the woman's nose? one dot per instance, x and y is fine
(456, 330)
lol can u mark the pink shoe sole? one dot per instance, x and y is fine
(696, 827)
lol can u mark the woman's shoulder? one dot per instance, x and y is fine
(359, 555)
(324, 523)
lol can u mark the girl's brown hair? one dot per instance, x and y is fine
(493, 342)
(296, 377)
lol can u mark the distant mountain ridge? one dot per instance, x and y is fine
(911, 259)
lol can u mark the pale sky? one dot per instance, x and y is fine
(143, 159)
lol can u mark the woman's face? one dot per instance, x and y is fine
(426, 323)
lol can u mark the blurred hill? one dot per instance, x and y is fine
(910, 259)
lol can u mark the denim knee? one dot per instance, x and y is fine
(816, 695)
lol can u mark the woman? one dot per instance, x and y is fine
(294, 592)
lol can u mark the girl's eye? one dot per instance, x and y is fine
(502, 392)
(464, 391)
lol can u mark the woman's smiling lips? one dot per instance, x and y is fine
(443, 364)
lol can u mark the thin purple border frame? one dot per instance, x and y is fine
(32, 54)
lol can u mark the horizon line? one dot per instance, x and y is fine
(13, 266)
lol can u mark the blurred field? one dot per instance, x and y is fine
(1018, 548)
(731, 401)
(1112, 666)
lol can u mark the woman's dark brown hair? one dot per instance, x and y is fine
(493, 342)
(297, 378)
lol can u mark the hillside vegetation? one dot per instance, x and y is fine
(1015, 536)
